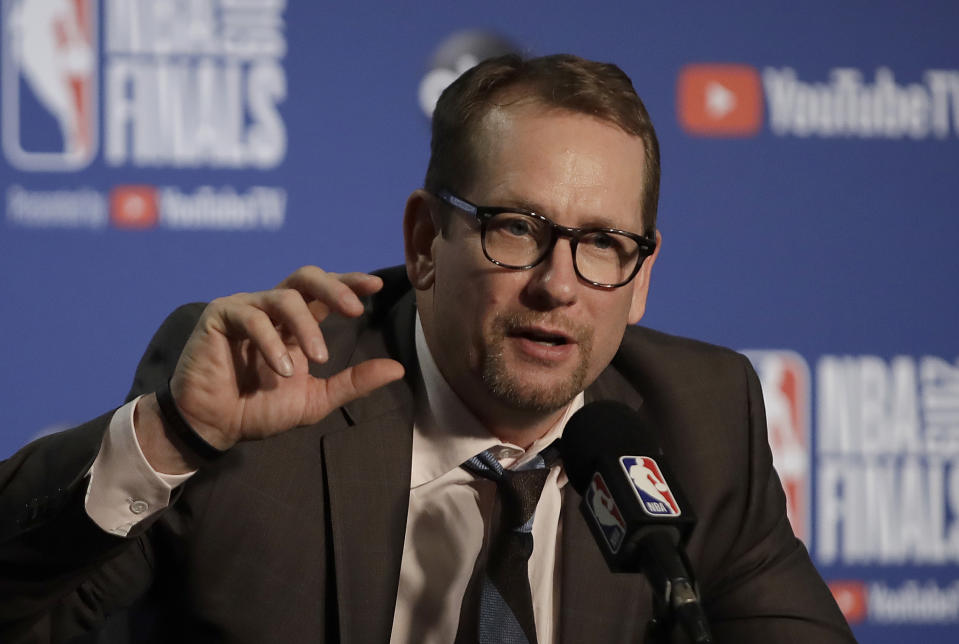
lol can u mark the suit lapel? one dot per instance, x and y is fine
(368, 470)
(368, 481)
(595, 604)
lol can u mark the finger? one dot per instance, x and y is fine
(318, 309)
(287, 308)
(362, 283)
(341, 293)
(242, 320)
(352, 383)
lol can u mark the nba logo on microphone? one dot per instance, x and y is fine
(604, 511)
(784, 376)
(49, 83)
(650, 486)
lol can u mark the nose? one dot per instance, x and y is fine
(553, 282)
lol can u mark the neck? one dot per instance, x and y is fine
(521, 427)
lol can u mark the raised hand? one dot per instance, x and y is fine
(244, 372)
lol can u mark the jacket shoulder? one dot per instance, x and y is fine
(652, 356)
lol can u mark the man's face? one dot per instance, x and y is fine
(531, 340)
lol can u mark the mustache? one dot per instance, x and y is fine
(506, 322)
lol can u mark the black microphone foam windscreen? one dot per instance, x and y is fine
(600, 428)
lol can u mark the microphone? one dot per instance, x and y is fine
(633, 505)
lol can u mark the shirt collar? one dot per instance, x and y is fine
(446, 433)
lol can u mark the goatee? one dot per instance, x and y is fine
(543, 397)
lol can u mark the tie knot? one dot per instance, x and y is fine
(519, 489)
(520, 492)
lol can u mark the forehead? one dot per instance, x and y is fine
(572, 167)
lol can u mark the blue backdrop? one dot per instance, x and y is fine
(157, 152)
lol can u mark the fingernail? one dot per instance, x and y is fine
(318, 351)
(286, 365)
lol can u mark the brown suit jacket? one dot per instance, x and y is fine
(299, 538)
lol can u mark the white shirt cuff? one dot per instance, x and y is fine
(124, 490)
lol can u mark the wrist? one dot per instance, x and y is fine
(159, 445)
(181, 432)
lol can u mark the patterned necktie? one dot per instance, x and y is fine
(506, 603)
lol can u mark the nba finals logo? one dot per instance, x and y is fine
(650, 486)
(785, 382)
(49, 83)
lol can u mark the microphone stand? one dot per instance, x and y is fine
(675, 595)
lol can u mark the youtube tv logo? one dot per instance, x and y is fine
(133, 207)
(723, 100)
(852, 598)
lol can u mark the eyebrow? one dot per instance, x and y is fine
(594, 221)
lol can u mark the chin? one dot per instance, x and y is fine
(527, 392)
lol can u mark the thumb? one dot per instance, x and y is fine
(352, 383)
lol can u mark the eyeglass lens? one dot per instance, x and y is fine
(517, 240)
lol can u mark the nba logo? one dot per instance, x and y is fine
(607, 515)
(49, 83)
(784, 376)
(650, 486)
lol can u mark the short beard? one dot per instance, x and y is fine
(547, 398)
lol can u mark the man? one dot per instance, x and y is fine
(261, 497)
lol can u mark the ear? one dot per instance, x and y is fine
(419, 232)
(640, 284)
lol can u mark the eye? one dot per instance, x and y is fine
(603, 242)
(518, 226)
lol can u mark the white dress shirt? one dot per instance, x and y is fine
(452, 514)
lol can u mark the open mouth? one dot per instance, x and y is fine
(541, 337)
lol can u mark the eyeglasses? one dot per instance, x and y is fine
(521, 239)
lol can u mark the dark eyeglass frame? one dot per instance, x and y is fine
(484, 214)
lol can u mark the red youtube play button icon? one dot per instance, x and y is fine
(133, 207)
(719, 100)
